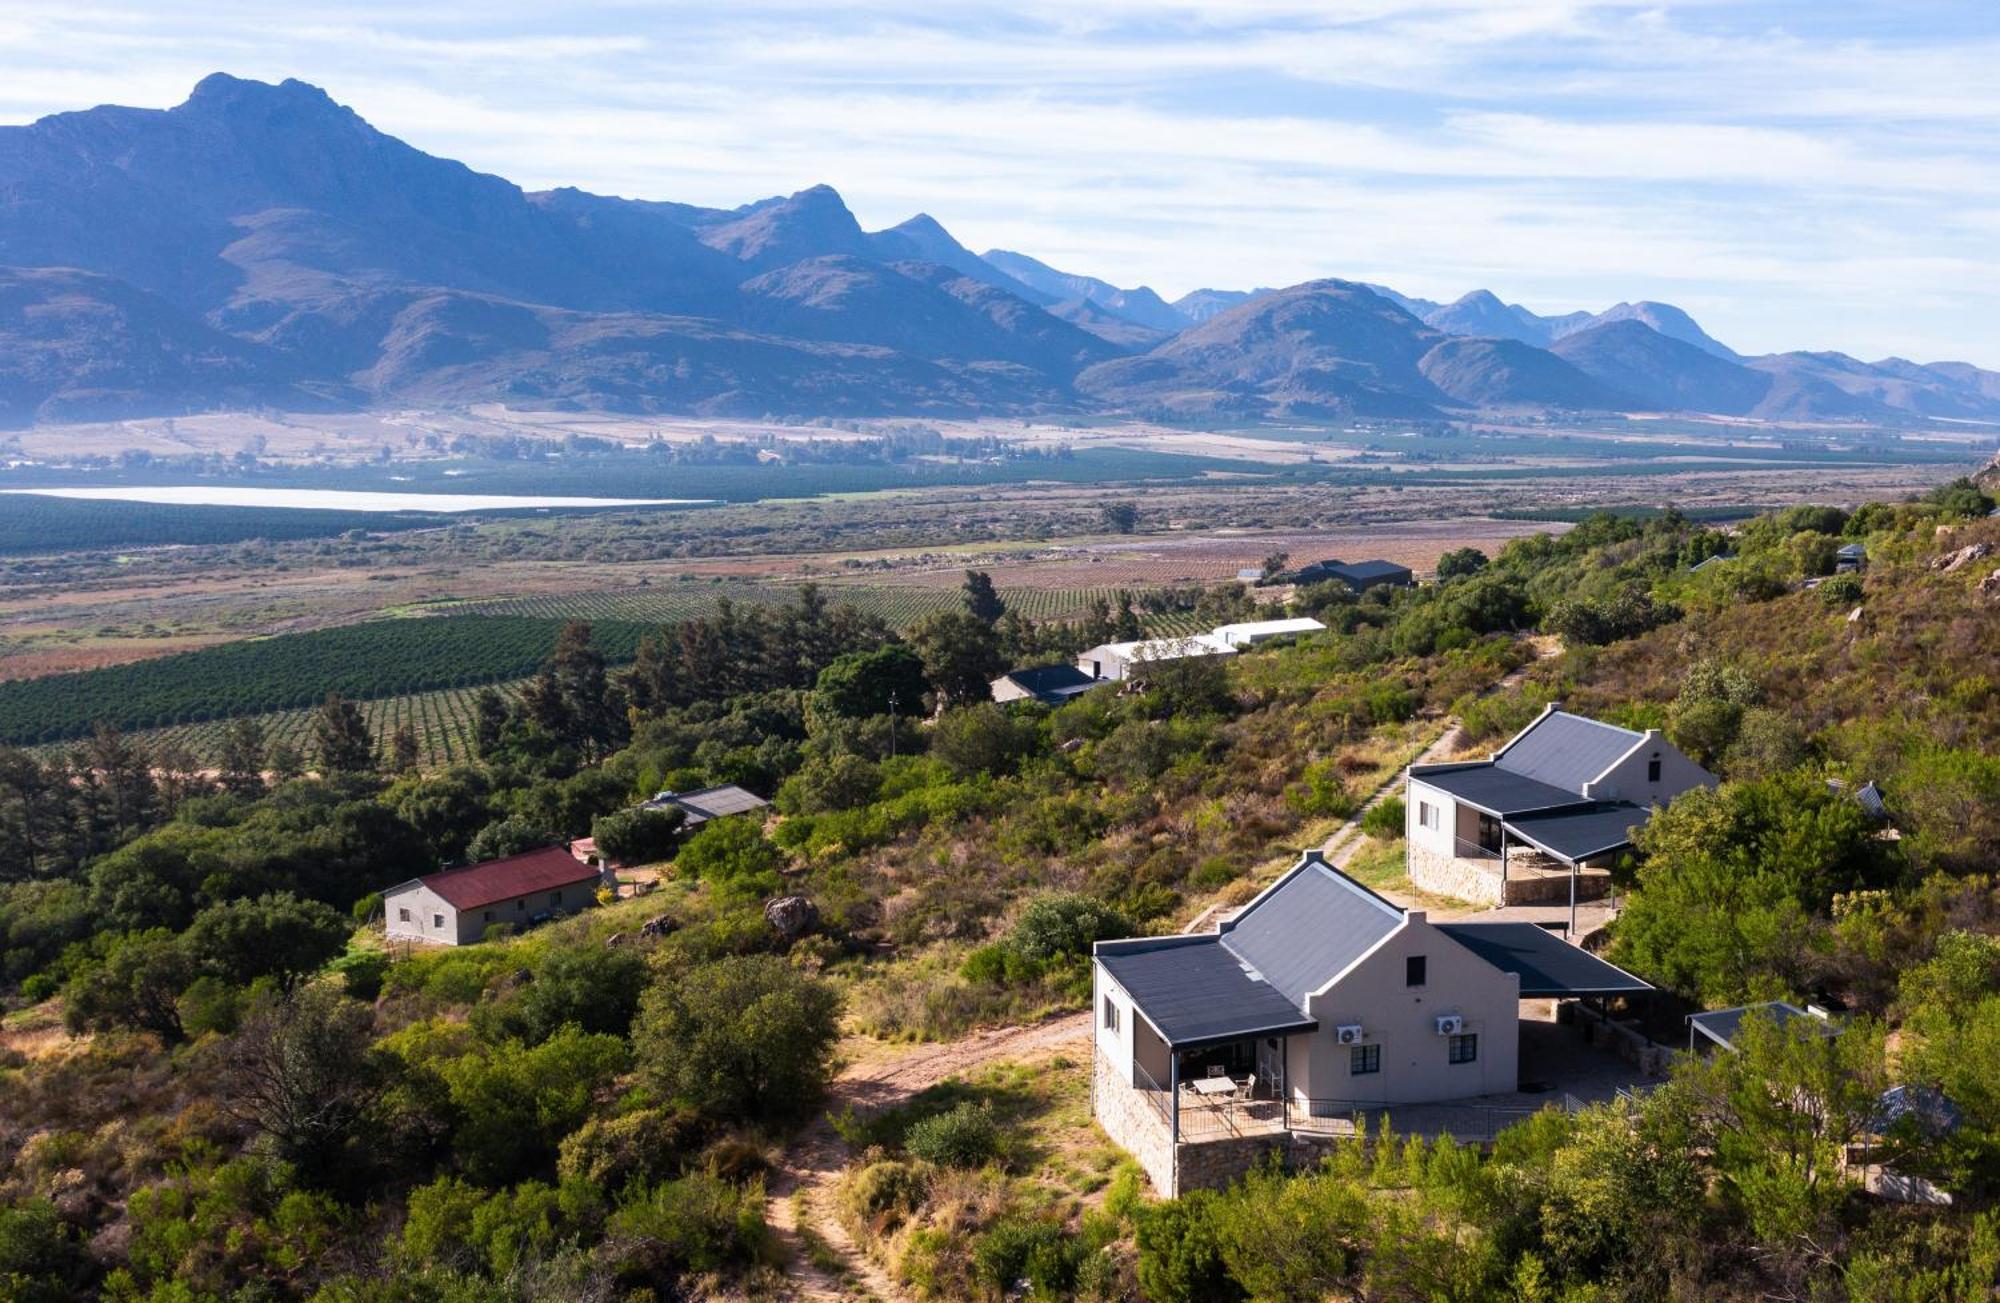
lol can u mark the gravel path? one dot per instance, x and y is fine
(802, 1187)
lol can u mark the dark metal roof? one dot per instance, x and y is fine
(1302, 932)
(1722, 1025)
(1585, 834)
(709, 802)
(1360, 574)
(1566, 750)
(1498, 791)
(1194, 991)
(1548, 965)
(1057, 681)
(1930, 1111)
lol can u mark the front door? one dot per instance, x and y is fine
(1489, 833)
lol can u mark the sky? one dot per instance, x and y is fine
(1819, 174)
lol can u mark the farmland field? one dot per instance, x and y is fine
(899, 605)
(442, 721)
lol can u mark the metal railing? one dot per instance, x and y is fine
(1346, 1117)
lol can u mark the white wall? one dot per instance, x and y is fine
(1627, 780)
(1401, 1019)
(1437, 841)
(424, 908)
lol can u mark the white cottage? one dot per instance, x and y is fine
(455, 907)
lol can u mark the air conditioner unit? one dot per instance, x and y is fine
(1348, 1033)
(1450, 1024)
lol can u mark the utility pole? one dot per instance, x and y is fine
(892, 723)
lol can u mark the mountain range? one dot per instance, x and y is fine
(262, 246)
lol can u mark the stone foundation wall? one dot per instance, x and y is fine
(1594, 1028)
(1446, 875)
(1133, 1124)
(1213, 1164)
(1477, 882)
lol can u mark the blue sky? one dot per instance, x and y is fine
(1808, 174)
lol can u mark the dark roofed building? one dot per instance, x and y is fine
(1052, 685)
(456, 907)
(708, 803)
(1358, 575)
(1566, 790)
(1319, 998)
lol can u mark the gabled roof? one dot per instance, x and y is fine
(1356, 572)
(1548, 966)
(517, 875)
(1194, 991)
(1308, 926)
(1565, 750)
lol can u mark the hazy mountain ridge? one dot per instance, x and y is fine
(262, 244)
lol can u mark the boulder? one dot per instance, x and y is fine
(791, 916)
(1990, 586)
(1965, 556)
(654, 928)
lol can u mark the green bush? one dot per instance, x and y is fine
(637, 836)
(1385, 820)
(1065, 925)
(362, 972)
(39, 987)
(742, 1037)
(698, 1223)
(1042, 1253)
(963, 1136)
(1841, 590)
(881, 1195)
(732, 855)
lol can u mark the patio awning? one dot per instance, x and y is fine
(1722, 1025)
(1579, 835)
(1549, 967)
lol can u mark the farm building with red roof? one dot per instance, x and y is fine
(455, 907)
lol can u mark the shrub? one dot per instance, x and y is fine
(361, 972)
(1841, 590)
(732, 855)
(1039, 1252)
(1385, 820)
(881, 1195)
(743, 1037)
(277, 935)
(593, 988)
(1321, 791)
(963, 1136)
(1065, 925)
(695, 1224)
(648, 1146)
(637, 836)
(39, 987)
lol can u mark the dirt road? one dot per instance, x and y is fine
(800, 1192)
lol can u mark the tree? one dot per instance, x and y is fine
(981, 739)
(982, 601)
(861, 685)
(1121, 517)
(638, 836)
(1460, 562)
(513, 1103)
(489, 722)
(404, 750)
(823, 784)
(743, 1037)
(594, 988)
(42, 1260)
(240, 762)
(278, 935)
(1779, 1113)
(733, 855)
(304, 1073)
(137, 984)
(341, 737)
(1065, 925)
(961, 655)
(509, 836)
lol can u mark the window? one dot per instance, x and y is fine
(1653, 770)
(1110, 1014)
(402, 916)
(1364, 1059)
(555, 898)
(437, 920)
(522, 903)
(1463, 1049)
(1427, 815)
(489, 916)
(1413, 971)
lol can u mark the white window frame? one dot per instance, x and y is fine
(1111, 1014)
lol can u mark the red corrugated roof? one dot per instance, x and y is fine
(517, 875)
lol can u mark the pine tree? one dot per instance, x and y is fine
(341, 736)
(982, 601)
(404, 752)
